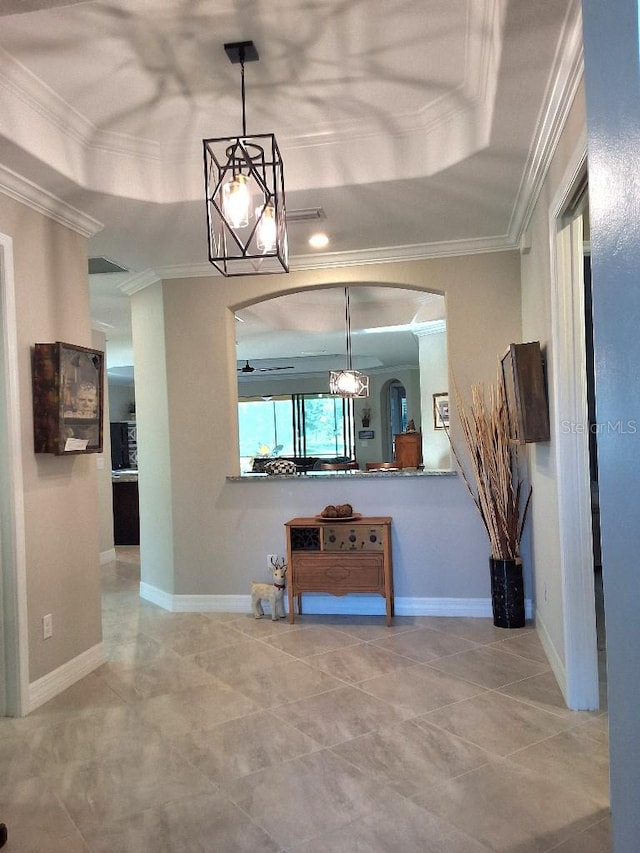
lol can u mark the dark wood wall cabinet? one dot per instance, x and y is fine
(339, 557)
(67, 399)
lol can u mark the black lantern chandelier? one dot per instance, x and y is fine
(348, 382)
(244, 187)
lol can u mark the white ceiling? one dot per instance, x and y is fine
(420, 128)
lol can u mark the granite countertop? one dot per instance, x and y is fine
(126, 475)
(351, 475)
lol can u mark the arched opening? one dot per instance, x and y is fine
(287, 345)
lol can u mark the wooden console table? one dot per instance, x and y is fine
(339, 557)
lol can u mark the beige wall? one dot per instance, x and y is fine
(221, 530)
(536, 325)
(60, 494)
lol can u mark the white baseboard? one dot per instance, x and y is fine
(53, 683)
(321, 604)
(555, 662)
(107, 556)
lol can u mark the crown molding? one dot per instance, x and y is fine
(433, 327)
(564, 81)
(139, 281)
(386, 254)
(30, 194)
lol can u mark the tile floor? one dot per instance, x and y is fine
(222, 733)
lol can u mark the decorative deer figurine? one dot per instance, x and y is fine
(271, 592)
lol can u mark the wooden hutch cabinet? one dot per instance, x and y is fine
(339, 557)
(408, 449)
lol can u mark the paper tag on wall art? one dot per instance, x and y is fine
(75, 444)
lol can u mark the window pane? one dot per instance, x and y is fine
(265, 428)
(324, 424)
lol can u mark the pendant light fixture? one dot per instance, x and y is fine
(348, 382)
(244, 188)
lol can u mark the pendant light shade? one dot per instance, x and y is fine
(244, 188)
(348, 382)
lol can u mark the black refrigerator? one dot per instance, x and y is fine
(124, 448)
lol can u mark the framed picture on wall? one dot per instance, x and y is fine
(68, 388)
(441, 410)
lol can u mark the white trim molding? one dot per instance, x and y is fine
(13, 602)
(322, 604)
(571, 441)
(107, 556)
(54, 683)
(38, 199)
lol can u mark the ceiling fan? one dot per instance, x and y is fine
(249, 369)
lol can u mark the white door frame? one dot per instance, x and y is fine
(571, 441)
(12, 545)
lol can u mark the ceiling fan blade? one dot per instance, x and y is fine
(249, 369)
(269, 369)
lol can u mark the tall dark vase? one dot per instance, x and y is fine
(507, 593)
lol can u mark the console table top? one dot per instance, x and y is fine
(314, 521)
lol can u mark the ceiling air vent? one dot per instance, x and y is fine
(306, 214)
(98, 266)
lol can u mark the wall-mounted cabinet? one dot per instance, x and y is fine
(67, 399)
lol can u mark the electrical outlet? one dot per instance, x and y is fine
(47, 626)
(271, 559)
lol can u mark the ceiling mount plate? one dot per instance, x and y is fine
(241, 51)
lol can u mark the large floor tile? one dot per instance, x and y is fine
(338, 715)
(488, 667)
(271, 678)
(497, 723)
(311, 641)
(398, 826)
(417, 689)
(197, 635)
(542, 691)
(425, 644)
(167, 675)
(17, 763)
(89, 737)
(358, 662)
(37, 820)
(597, 729)
(526, 645)
(195, 708)
(572, 759)
(410, 757)
(242, 746)
(241, 662)
(512, 809)
(85, 696)
(198, 824)
(478, 630)
(300, 799)
(595, 839)
(261, 629)
(132, 779)
(363, 628)
(133, 649)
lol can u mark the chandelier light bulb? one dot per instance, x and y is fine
(237, 201)
(266, 232)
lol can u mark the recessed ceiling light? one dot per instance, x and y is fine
(318, 241)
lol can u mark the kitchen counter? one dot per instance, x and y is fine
(380, 473)
(125, 475)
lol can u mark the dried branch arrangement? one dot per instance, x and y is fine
(494, 468)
